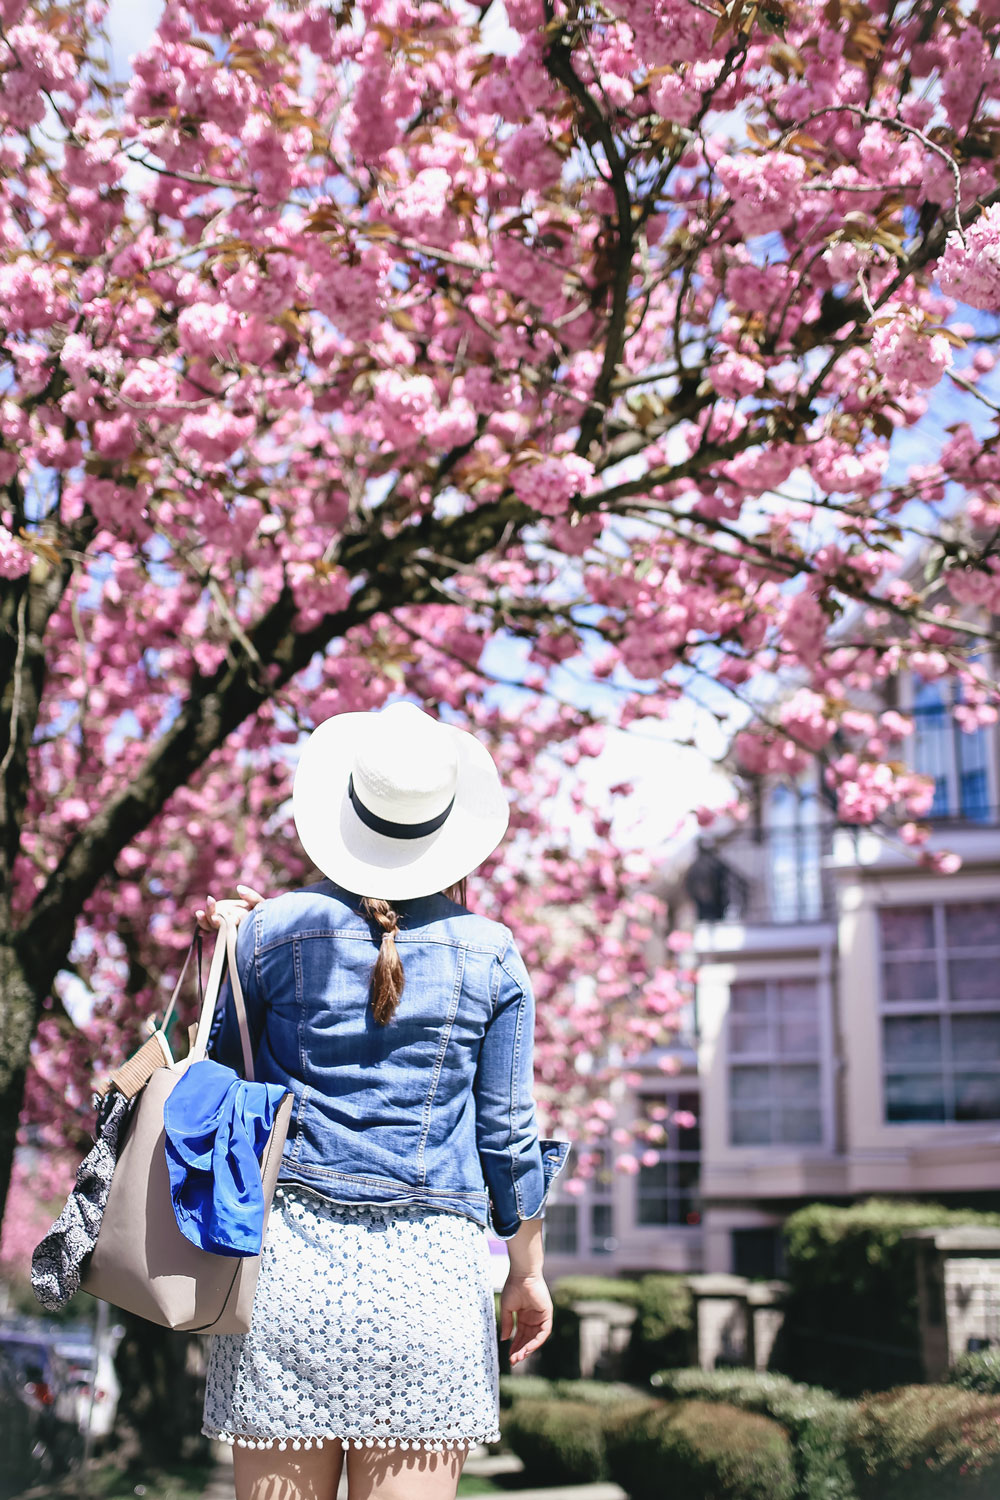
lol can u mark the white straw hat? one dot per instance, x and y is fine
(396, 804)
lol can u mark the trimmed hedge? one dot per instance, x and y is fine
(661, 1335)
(978, 1372)
(663, 1332)
(851, 1316)
(536, 1388)
(697, 1450)
(559, 1442)
(816, 1421)
(926, 1443)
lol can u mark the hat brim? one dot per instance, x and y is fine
(367, 863)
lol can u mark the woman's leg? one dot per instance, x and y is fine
(270, 1474)
(404, 1473)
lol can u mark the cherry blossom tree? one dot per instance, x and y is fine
(337, 348)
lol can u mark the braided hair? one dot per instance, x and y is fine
(387, 976)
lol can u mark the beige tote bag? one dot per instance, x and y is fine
(141, 1261)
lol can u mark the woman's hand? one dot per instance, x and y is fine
(525, 1312)
(209, 918)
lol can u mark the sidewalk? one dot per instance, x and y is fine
(480, 1462)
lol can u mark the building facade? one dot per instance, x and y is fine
(847, 1034)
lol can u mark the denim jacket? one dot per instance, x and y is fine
(435, 1108)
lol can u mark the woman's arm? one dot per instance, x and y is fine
(518, 1166)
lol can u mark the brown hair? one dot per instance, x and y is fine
(387, 975)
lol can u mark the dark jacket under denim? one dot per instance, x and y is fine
(435, 1108)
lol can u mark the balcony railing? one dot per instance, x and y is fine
(771, 875)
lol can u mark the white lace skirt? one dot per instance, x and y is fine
(374, 1325)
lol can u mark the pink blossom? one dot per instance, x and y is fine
(678, 96)
(804, 627)
(907, 356)
(208, 330)
(979, 585)
(763, 753)
(30, 296)
(424, 202)
(530, 159)
(737, 375)
(941, 862)
(216, 434)
(549, 485)
(807, 718)
(15, 558)
(404, 402)
(764, 189)
(895, 725)
(971, 272)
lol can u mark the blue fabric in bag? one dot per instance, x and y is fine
(217, 1125)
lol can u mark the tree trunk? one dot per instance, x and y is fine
(19, 1008)
(162, 1377)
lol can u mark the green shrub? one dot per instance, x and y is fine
(979, 1371)
(926, 1443)
(559, 1356)
(596, 1289)
(537, 1388)
(559, 1442)
(851, 1317)
(661, 1334)
(663, 1331)
(523, 1388)
(816, 1421)
(697, 1450)
(610, 1393)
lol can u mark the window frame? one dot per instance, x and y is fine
(819, 976)
(672, 1155)
(942, 1007)
(910, 686)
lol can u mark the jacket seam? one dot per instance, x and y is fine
(333, 1174)
(456, 995)
(514, 1107)
(357, 935)
(300, 1010)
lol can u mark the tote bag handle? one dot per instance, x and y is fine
(223, 954)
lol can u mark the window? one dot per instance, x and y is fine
(561, 1236)
(600, 1210)
(774, 1063)
(957, 761)
(941, 1011)
(667, 1189)
(795, 840)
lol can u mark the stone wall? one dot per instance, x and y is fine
(958, 1292)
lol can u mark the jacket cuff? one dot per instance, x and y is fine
(553, 1154)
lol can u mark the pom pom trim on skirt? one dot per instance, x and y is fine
(434, 1445)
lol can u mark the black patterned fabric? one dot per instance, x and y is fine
(58, 1260)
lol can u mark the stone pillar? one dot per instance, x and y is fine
(958, 1294)
(766, 1303)
(605, 1330)
(722, 1320)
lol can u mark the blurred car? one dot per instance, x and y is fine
(42, 1373)
(43, 1384)
(25, 1455)
(93, 1386)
